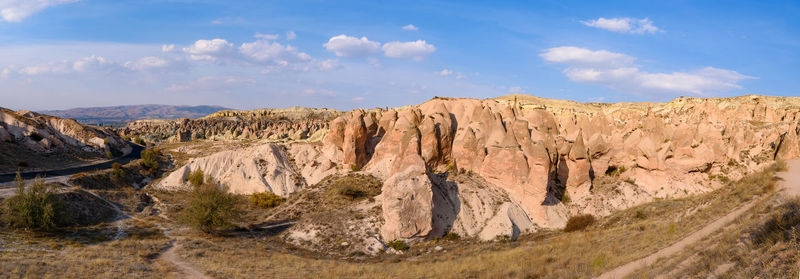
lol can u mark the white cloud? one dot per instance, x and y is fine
(149, 62)
(290, 35)
(85, 64)
(358, 99)
(347, 46)
(417, 50)
(266, 36)
(617, 71)
(516, 90)
(460, 76)
(212, 83)
(92, 63)
(623, 25)
(17, 10)
(319, 92)
(445, 72)
(410, 27)
(209, 50)
(585, 57)
(167, 48)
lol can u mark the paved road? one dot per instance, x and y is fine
(133, 155)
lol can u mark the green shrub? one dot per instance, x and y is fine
(210, 208)
(109, 154)
(117, 173)
(451, 236)
(266, 199)
(354, 168)
(150, 159)
(579, 222)
(34, 207)
(139, 141)
(196, 178)
(352, 192)
(398, 245)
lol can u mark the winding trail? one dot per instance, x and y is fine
(791, 187)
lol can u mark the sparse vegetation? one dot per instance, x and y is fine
(211, 207)
(150, 159)
(139, 141)
(34, 207)
(266, 199)
(196, 178)
(398, 245)
(579, 222)
(352, 187)
(117, 173)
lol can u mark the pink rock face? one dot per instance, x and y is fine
(407, 205)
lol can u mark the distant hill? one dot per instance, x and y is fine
(122, 114)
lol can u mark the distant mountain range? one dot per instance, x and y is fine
(122, 114)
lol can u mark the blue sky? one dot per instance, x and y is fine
(57, 54)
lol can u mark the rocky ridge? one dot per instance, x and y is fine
(503, 166)
(36, 139)
(272, 124)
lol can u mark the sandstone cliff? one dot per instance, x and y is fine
(503, 166)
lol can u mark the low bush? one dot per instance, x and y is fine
(579, 222)
(150, 159)
(210, 208)
(266, 199)
(34, 207)
(783, 224)
(398, 245)
(139, 141)
(196, 178)
(117, 173)
(352, 192)
(451, 236)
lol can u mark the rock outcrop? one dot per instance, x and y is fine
(40, 140)
(499, 167)
(290, 124)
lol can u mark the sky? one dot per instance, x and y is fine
(58, 54)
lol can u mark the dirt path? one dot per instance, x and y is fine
(791, 178)
(791, 185)
(185, 270)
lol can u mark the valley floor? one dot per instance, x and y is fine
(153, 246)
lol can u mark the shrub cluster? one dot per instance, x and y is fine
(150, 159)
(210, 208)
(34, 207)
(196, 178)
(579, 222)
(398, 245)
(266, 199)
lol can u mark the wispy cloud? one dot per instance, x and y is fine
(17, 10)
(617, 71)
(410, 27)
(623, 25)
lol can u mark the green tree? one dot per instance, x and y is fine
(34, 207)
(210, 208)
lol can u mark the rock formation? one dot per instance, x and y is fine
(41, 140)
(499, 167)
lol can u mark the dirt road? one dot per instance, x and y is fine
(790, 184)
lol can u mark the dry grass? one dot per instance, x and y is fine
(763, 243)
(81, 254)
(614, 240)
